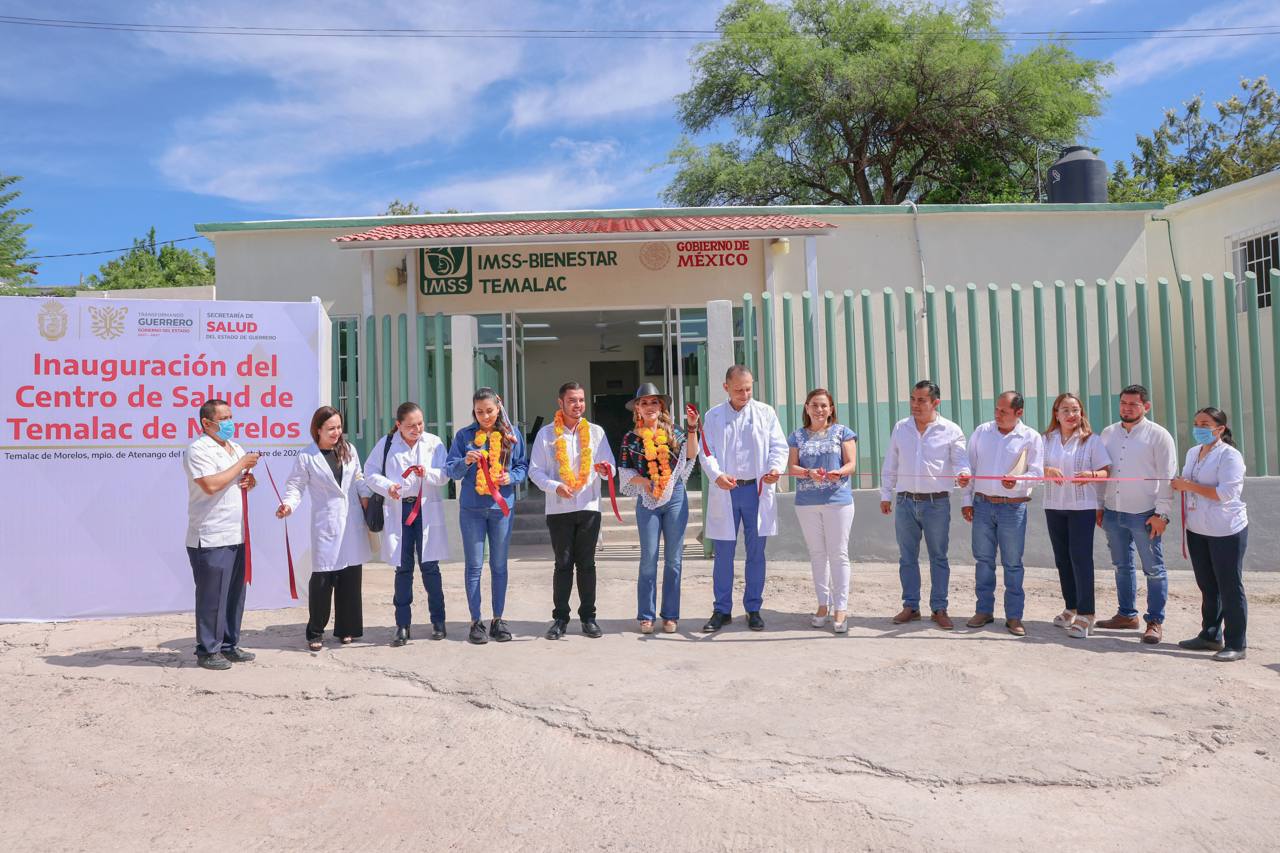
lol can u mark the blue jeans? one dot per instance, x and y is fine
(668, 522)
(477, 526)
(746, 503)
(933, 519)
(1127, 531)
(1003, 526)
(1071, 535)
(410, 553)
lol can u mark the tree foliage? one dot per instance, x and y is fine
(15, 271)
(145, 265)
(873, 102)
(409, 208)
(1190, 154)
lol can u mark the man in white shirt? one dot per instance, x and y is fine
(572, 504)
(1137, 511)
(218, 474)
(925, 455)
(995, 501)
(744, 454)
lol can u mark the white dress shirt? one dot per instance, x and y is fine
(993, 453)
(739, 451)
(544, 470)
(925, 464)
(1147, 450)
(212, 520)
(1070, 458)
(1222, 468)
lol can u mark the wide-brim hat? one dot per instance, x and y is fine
(648, 389)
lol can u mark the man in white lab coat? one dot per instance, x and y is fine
(743, 455)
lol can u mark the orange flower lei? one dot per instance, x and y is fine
(567, 475)
(657, 453)
(493, 438)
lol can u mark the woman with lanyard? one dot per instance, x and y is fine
(329, 471)
(489, 444)
(407, 466)
(656, 460)
(823, 456)
(1073, 455)
(1217, 530)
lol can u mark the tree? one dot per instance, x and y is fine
(146, 266)
(409, 208)
(15, 271)
(869, 102)
(1189, 154)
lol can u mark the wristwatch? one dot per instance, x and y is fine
(1163, 516)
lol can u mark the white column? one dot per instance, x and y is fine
(367, 392)
(819, 334)
(466, 334)
(719, 347)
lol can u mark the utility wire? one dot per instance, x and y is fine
(620, 33)
(142, 245)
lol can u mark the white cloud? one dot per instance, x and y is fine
(1153, 57)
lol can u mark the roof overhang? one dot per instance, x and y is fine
(560, 231)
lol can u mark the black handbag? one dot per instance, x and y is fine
(373, 512)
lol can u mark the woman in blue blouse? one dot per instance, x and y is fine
(823, 456)
(490, 438)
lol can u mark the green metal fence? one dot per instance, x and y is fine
(1089, 339)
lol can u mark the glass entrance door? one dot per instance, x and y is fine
(513, 369)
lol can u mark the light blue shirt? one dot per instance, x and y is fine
(740, 452)
(822, 450)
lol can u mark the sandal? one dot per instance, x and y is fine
(1081, 627)
(646, 626)
(346, 641)
(668, 626)
(315, 645)
(1064, 619)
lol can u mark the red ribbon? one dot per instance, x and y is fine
(288, 549)
(613, 495)
(1184, 524)
(702, 434)
(244, 521)
(417, 505)
(494, 491)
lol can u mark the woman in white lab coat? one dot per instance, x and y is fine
(329, 471)
(407, 467)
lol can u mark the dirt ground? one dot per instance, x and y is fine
(891, 738)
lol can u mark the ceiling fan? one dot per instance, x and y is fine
(601, 325)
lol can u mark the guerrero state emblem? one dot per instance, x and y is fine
(52, 321)
(108, 323)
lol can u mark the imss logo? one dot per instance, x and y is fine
(445, 270)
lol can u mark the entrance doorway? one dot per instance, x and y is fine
(613, 383)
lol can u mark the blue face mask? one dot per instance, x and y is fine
(1203, 435)
(226, 429)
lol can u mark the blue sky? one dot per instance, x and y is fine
(114, 132)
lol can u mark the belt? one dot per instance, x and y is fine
(1000, 499)
(742, 482)
(926, 496)
(409, 501)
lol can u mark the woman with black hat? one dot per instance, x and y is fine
(655, 462)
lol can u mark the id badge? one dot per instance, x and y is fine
(1191, 501)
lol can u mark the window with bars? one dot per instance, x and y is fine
(1258, 254)
(346, 346)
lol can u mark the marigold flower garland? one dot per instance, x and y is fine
(657, 453)
(567, 475)
(493, 438)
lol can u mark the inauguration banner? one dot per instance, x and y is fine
(98, 399)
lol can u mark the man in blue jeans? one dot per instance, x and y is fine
(926, 454)
(1144, 461)
(995, 501)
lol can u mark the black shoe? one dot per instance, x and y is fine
(402, 636)
(238, 655)
(437, 631)
(212, 662)
(717, 621)
(1200, 644)
(1228, 655)
(477, 634)
(498, 630)
(591, 629)
(557, 629)
(754, 622)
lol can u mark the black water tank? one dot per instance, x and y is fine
(1078, 177)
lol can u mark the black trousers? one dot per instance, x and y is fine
(1071, 534)
(573, 539)
(343, 587)
(1218, 562)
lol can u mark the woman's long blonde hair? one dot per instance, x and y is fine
(1054, 426)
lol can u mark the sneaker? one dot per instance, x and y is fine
(235, 654)
(499, 631)
(477, 634)
(212, 662)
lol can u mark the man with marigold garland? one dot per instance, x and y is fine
(743, 454)
(567, 460)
